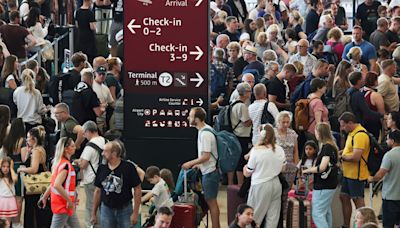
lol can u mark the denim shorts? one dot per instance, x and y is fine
(390, 212)
(353, 188)
(210, 183)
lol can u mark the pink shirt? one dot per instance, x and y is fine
(337, 48)
(315, 106)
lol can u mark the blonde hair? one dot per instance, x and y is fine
(368, 215)
(335, 33)
(284, 114)
(27, 77)
(354, 53)
(297, 17)
(267, 136)
(299, 66)
(325, 135)
(269, 55)
(113, 61)
(272, 28)
(234, 45)
(262, 38)
(60, 149)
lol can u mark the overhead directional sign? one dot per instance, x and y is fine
(166, 61)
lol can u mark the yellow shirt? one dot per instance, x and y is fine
(360, 141)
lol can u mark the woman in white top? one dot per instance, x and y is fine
(9, 76)
(265, 163)
(29, 101)
(35, 27)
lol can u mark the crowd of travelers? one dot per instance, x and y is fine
(331, 103)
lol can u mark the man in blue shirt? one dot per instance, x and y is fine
(368, 50)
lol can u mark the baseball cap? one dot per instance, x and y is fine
(101, 70)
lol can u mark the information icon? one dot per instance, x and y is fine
(165, 79)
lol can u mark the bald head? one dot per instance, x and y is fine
(99, 61)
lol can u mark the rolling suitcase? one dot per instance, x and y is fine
(299, 207)
(233, 201)
(184, 211)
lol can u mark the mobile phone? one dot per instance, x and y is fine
(253, 224)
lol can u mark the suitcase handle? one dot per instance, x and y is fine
(306, 178)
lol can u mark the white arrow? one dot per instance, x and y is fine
(131, 26)
(199, 53)
(198, 3)
(199, 80)
(146, 2)
(200, 102)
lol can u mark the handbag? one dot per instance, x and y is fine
(36, 184)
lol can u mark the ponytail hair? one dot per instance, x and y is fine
(39, 134)
(60, 149)
(267, 136)
(27, 77)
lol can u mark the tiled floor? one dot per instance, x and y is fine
(222, 201)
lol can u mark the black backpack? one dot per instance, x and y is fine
(58, 85)
(267, 117)
(375, 155)
(223, 120)
(99, 151)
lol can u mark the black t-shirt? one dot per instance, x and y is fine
(392, 37)
(84, 100)
(112, 81)
(312, 21)
(278, 89)
(116, 185)
(340, 18)
(232, 36)
(75, 78)
(118, 10)
(368, 15)
(45, 8)
(239, 65)
(87, 40)
(331, 181)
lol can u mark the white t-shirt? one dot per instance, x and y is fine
(162, 197)
(240, 112)
(255, 112)
(5, 190)
(265, 164)
(206, 142)
(9, 78)
(92, 155)
(105, 97)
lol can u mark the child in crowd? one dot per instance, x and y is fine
(365, 215)
(160, 194)
(8, 203)
(167, 176)
(309, 154)
(244, 217)
(308, 160)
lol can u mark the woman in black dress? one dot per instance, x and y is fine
(86, 24)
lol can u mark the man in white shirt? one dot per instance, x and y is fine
(101, 90)
(256, 110)
(206, 161)
(257, 10)
(89, 162)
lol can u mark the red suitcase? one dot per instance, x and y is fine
(233, 201)
(184, 212)
(184, 216)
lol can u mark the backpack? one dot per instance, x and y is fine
(330, 55)
(223, 121)
(218, 81)
(342, 103)
(297, 95)
(267, 117)
(229, 150)
(99, 151)
(302, 114)
(57, 88)
(375, 155)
